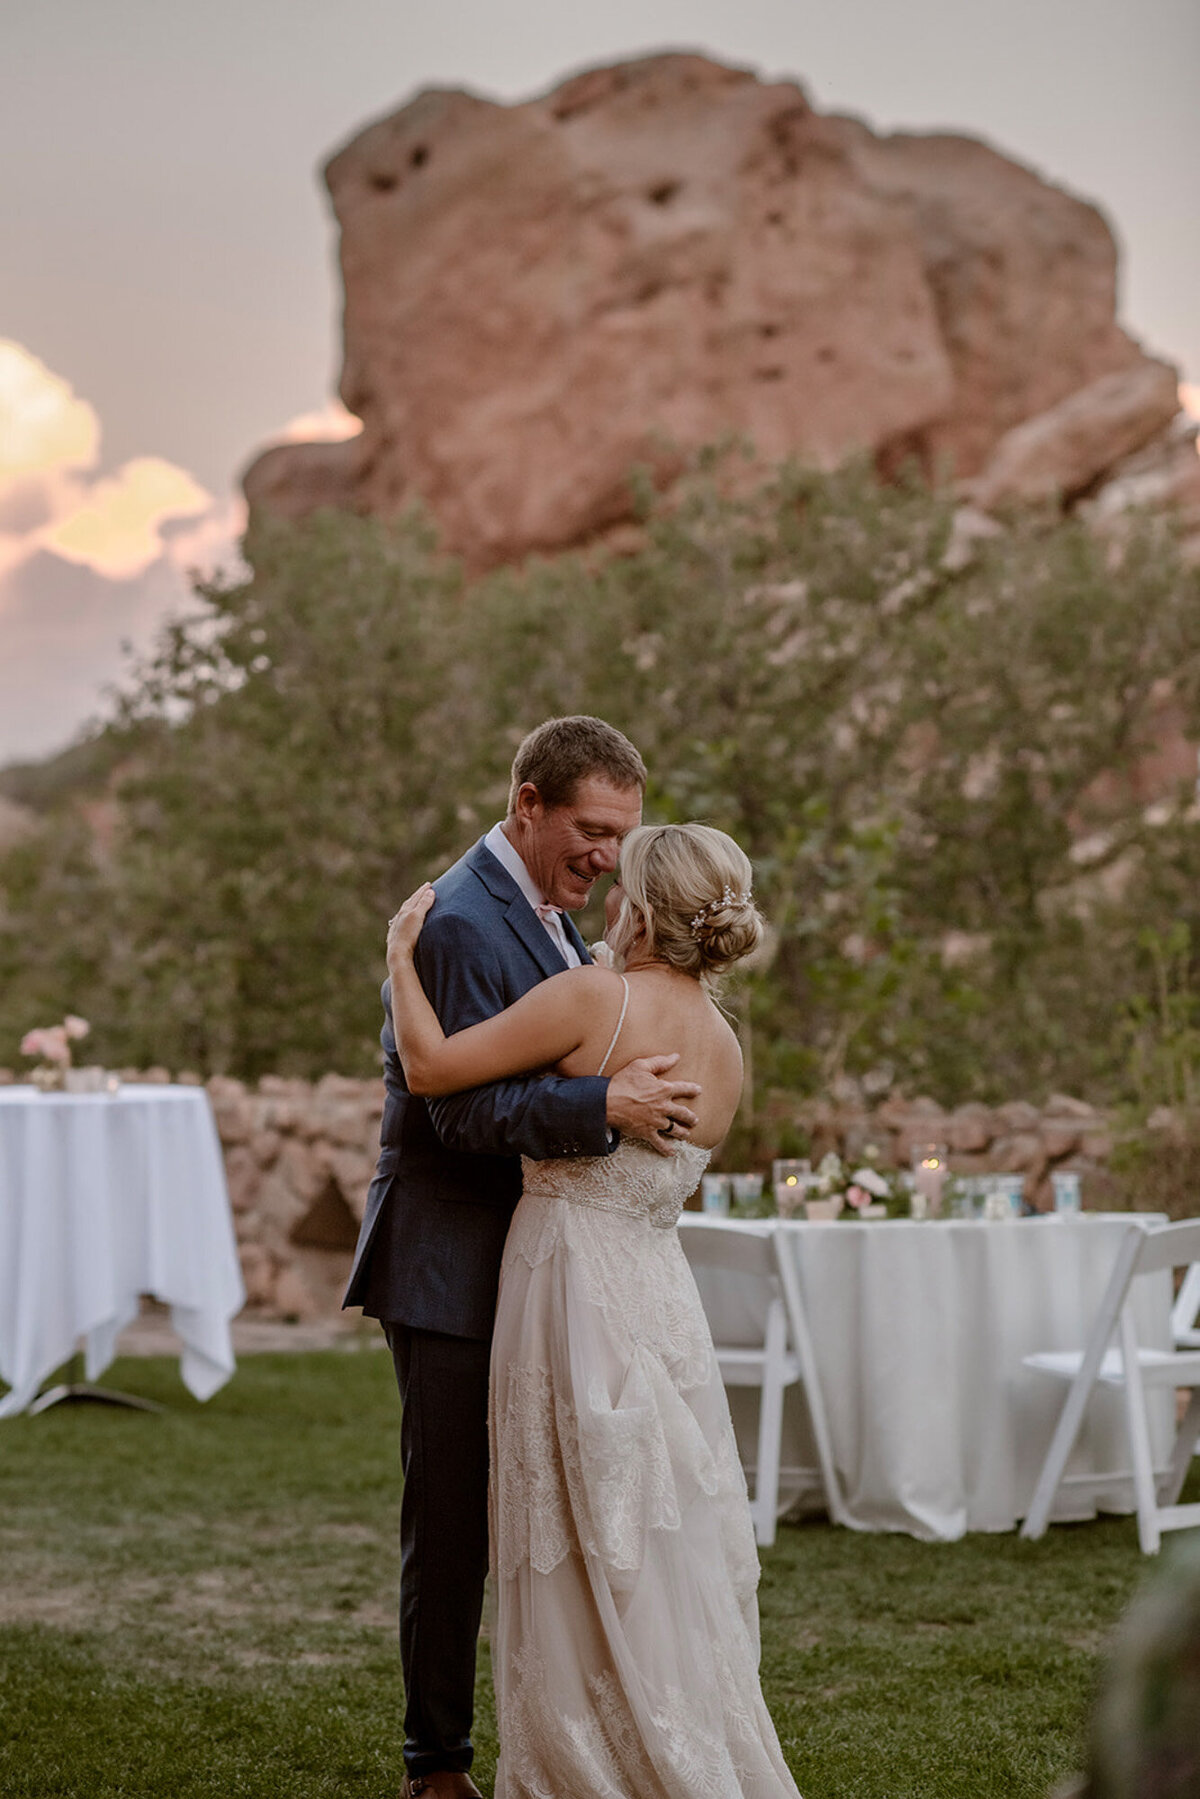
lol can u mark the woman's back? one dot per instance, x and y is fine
(666, 1012)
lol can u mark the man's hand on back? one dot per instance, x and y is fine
(643, 1101)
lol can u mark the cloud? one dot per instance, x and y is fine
(331, 425)
(43, 425)
(1189, 399)
(118, 531)
(208, 544)
(94, 561)
(52, 498)
(26, 503)
(91, 560)
(63, 636)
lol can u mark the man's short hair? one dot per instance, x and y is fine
(559, 754)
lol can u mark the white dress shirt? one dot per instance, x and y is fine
(509, 860)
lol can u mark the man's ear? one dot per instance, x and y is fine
(528, 803)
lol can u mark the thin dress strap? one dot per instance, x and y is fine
(621, 1020)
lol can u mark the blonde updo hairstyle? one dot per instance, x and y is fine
(690, 886)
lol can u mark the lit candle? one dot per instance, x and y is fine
(788, 1177)
(929, 1177)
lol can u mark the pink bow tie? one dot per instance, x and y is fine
(546, 911)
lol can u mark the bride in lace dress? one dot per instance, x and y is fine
(625, 1644)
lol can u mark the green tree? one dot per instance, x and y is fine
(927, 747)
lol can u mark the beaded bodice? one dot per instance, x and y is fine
(634, 1181)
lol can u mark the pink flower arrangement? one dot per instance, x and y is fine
(52, 1042)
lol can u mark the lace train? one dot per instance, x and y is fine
(625, 1643)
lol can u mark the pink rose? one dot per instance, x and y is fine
(50, 1042)
(55, 1046)
(857, 1196)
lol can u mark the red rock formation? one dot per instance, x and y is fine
(1067, 448)
(539, 297)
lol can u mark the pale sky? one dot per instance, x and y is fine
(168, 298)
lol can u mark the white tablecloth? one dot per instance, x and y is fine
(104, 1197)
(919, 1330)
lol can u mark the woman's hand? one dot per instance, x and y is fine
(405, 927)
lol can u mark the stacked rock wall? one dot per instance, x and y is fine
(299, 1159)
(1014, 1138)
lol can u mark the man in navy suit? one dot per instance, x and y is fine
(428, 1258)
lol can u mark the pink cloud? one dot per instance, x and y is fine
(52, 498)
(332, 424)
(1189, 399)
(210, 543)
(92, 562)
(43, 424)
(118, 529)
(64, 632)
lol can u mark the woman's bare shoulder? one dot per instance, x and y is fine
(727, 1038)
(592, 974)
(588, 983)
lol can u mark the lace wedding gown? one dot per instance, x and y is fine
(625, 1642)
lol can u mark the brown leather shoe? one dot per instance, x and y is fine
(442, 1785)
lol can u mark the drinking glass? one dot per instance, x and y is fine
(1003, 1199)
(747, 1195)
(714, 1195)
(790, 1177)
(1068, 1199)
(969, 1193)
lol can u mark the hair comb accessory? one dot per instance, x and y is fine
(728, 898)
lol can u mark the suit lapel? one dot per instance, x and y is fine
(519, 914)
(522, 919)
(573, 937)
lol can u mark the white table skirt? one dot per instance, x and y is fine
(104, 1197)
(919, 1330)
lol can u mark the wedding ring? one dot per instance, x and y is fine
(668, 1129)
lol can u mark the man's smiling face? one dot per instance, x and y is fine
(567, 848)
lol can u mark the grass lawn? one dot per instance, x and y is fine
(202, 1603)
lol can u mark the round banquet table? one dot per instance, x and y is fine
(918, 1331)
(104, 1197)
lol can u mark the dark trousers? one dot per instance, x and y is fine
(443, 1385)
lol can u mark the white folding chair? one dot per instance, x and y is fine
(1125, 1364)
(783, 1357)
(1183, 1312)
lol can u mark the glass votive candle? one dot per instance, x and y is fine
(1004, 1197)
(747, 1195)
(929, 1177)
(789, 1179)
(714, 1195)
(1013, 1188)
(969, 1191)
(1068, 1196)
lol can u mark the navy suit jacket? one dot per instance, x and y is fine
(449, 1176)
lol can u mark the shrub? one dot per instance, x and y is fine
(911, 739)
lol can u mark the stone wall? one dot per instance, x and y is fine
(1015, 1138)
(299, 1158)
